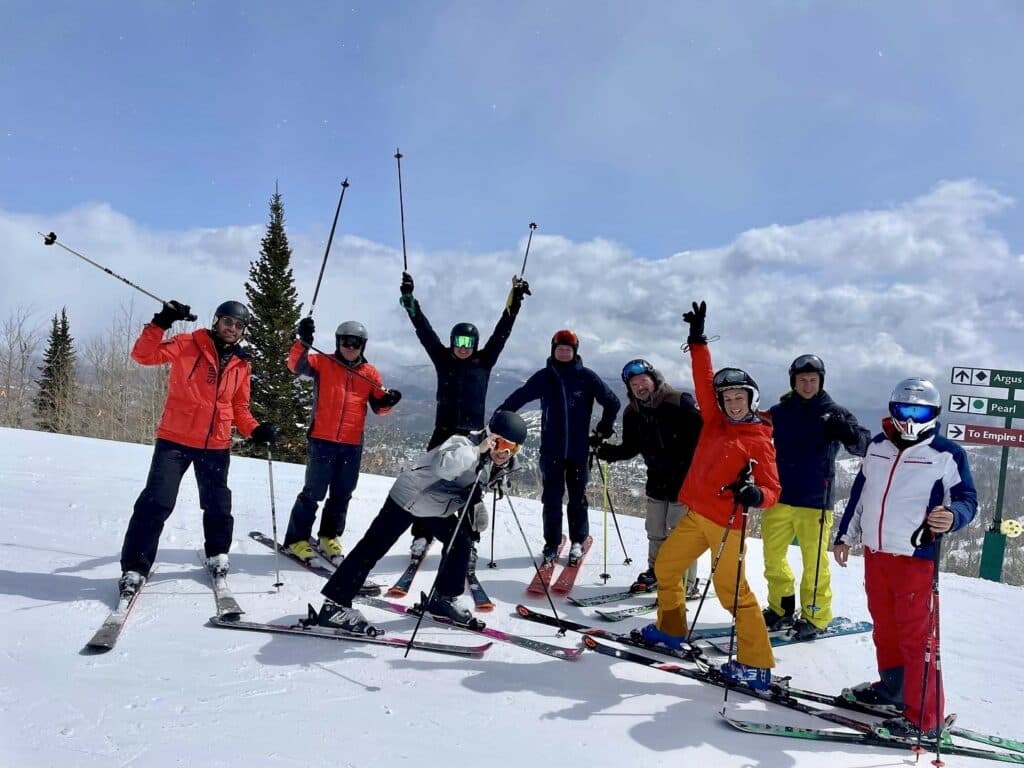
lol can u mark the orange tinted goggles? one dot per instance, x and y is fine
(501, 444)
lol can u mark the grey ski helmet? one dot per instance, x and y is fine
(915, 405)
(807, 364)
(735, 378)
(235, 309)
(351, 328)
(509, 425)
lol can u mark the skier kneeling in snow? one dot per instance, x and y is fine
(441, 489)
(913, 487)
(207, 392)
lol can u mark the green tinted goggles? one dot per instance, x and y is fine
(466, 342)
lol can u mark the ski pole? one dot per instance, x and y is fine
(615, 518)
(51, 239)
(604, 513)
(522, 270)
(401, 209)
(354, 372)
(547, 592)
(330, 239)
(736, 594)
(494, 517)
(273, 518)
(484, 461)
(813, 607)
(931, 650)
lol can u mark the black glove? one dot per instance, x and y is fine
(389, 399)
(695, 319)
(172, 312)
(604, 451)
(839, 427)
(748, 495)
(306, 330)
(264, 434)
(407, 284)
(599, 435)
(520, 288)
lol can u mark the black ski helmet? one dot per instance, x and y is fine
(509, 425)
(735, 378)
(462, 332)
(807, 364)
(235, 309)
(351, 328)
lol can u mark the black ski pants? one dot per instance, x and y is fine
(389, 524)
(559, 476)
(156, 502)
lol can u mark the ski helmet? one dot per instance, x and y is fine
(734, 378)
(465, 335)
(235, 309)
(637, 367)
(566, 337)
(353, 329)
(807, 364)
(915, 405)
(509, 425)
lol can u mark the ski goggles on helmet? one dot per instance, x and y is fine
(464, 342)
(636, 367)
(565, 337)
(501, 445)
(807, 364)
(352, 342)
(916, 412)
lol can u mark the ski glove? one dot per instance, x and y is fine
(389, 399)
(695, 319)
(839, 427)
(519, 289)
(481, 518)
(407, 284)
(596, 439)
(264, 434)
(748, 495)
(172, 312)
(306, 330)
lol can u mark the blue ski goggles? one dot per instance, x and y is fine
(916, 412)
(636, 367)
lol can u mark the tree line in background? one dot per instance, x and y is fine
(94, 389)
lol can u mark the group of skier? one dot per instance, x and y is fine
(709, 461)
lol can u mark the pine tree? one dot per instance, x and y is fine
(277, 396)
(55, 401)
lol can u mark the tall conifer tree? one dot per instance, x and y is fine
(277, 395)
(55, 401)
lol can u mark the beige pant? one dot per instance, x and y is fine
(662, 517)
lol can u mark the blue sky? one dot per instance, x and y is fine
(817, 151)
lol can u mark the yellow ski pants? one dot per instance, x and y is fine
(779, 525)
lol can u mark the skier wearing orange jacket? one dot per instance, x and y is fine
(734, 433)
(343, 385)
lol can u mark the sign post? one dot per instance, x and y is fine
(994, 547)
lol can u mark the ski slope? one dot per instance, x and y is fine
(177, 692)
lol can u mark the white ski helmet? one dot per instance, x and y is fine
(915, 405)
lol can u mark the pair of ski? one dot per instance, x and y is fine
(779, 693)
(319, 565)
(481, 602)
(105, 638)
(634, 610)
(566, 579)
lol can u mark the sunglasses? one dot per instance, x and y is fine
(501, 445)
(352, 342)
(465, 342)
(231, 322)
(915, 412)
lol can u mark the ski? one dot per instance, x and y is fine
(608, 597)
(548, 649)
(625, 613)
(472, 651)
(869, 738)
(838, 627)
(543, 576)
(481, 601)
(401, 587)
(227, 607)
(567, 578)
(105, 638)
(318, 565)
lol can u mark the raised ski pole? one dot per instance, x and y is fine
(615, 518)
(526, 254)
(401, 209)
(330, 239)
(547, 592)
(354, 372)
(51, 239)
(494, 517)
(273, 518)
(745, 473)
(813, 607)
(484, 461)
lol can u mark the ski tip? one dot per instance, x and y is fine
(397, 592)
(485, 607)
(522, 610)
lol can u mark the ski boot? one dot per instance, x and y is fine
(774, 621)
(758, 678)
(330, 548)
(335, 616)
(218, 566)
(651, 635)
(418, 549)
(645, 582)
(302, 550)
(443, 607)
(803, 630)
(129, 583)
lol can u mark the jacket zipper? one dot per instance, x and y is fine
(344, 403)
(216, 395)
(885, 495)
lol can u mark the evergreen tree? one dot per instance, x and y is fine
(55, 401)
(277, 395)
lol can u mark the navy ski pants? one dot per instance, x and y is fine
(156, 502)
(559, 476)
(329, 466)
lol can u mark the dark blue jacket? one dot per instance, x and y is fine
(567, 392)
(806, 444)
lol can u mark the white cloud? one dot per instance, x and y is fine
(909, 290)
